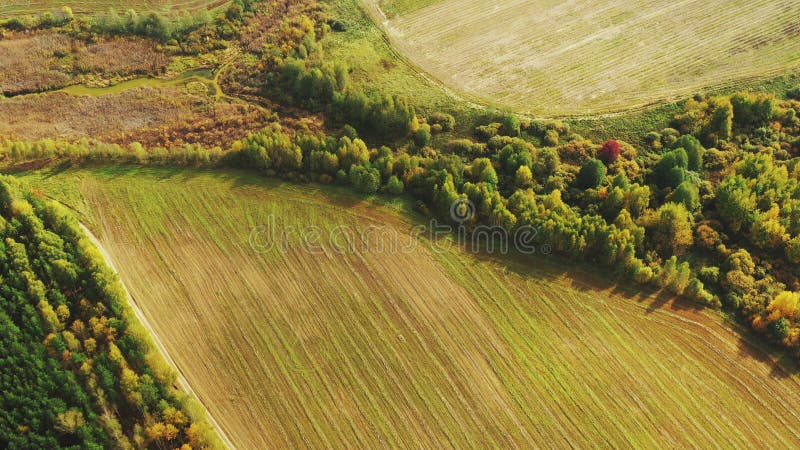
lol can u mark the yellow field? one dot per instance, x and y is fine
(424, 349)
(10, 8)
(550, 57)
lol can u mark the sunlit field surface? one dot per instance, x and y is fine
(583, 57)
(428, 347)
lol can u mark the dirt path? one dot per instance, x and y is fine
(182, 381)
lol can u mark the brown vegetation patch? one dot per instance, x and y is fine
(215, 124)
(121, 56)
(60, 115)
(33, 63)
(153, 116)
(42, 61)
(36, 7)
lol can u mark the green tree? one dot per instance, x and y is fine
(735, 203)
(751, 111)
(670, 171)
(482, 170)
(591, 175)
(523, 179)
(547, 162)
(687, 194)
(793, 250)
(779, 329)
(366, 180)
(510, 125)
(422, 137)
(694, 151)
(670, 229)
(721, 125)
(394, 186)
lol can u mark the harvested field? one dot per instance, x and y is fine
(303, 345)
(586, 57)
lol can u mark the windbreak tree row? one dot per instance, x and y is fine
(79, 369)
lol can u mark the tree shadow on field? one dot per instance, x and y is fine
(751, 345)
(603, 284)
(785, 367)
(597, 281)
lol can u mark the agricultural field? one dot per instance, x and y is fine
(10, 8)
(318, 345)
(550, 58)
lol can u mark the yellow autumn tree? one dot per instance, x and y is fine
(783, 305)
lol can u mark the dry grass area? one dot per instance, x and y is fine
(419, 349)
(121, 56)
(10, 8)
(46, 60)
(29, 64)
(550, 57)
(163, 116)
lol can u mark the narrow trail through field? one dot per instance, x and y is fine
(182, 381)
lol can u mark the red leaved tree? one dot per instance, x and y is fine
(609, 152)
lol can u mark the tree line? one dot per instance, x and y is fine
(79, 371)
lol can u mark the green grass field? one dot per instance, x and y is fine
(378, 66)
(547, 58)
(422, 348)
(168, 7)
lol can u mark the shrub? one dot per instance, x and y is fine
(669, 136)
(709, 274)
(551, 138)
(498, 142)
(511, 125)
(465, 147)
(653, 139)
(643, 275)
(422, 137)
(364, 179)
(394, 186)
(486, 132)
(445, 121)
